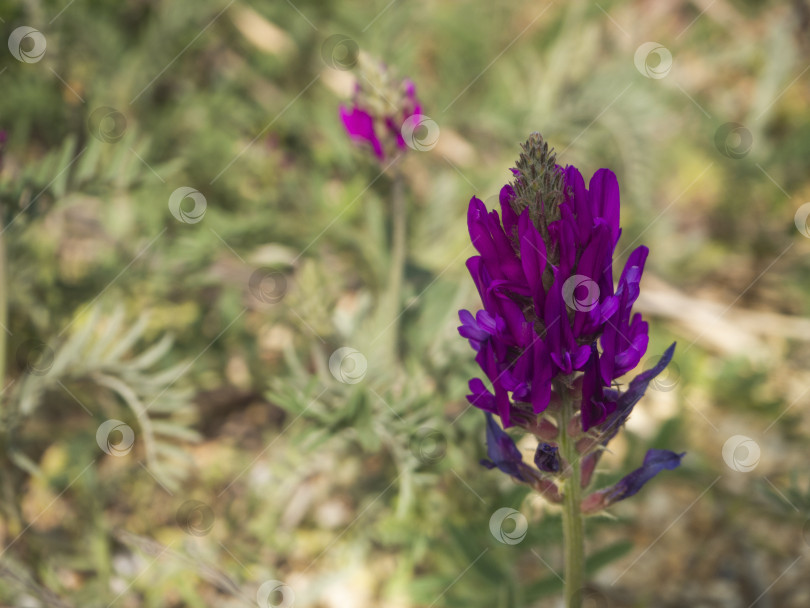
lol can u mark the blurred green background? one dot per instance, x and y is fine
(235, 458)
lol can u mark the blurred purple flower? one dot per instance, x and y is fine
(380, 129)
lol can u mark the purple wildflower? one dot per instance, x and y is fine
(375, 121)
(552, 322)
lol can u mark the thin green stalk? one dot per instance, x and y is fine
(3, 308)
(10, 510)
(573, 528)
(398, 256)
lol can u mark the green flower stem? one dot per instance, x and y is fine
(398, 256)
(3, 308)
(573, 528)
(10, 510)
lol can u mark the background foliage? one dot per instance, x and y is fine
(251, 462)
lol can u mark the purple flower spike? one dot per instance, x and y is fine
(553, 330)
(544, 274)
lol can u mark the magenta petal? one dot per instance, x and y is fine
(395, 131)
(592, 414)
(480, 397)
(479, 231)
(581, 356)
(533, 259)
(489, 239)
(541, 379)
(578, 199)
(510, 218)
(479, 276)
(604, 197)
(360, 126)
